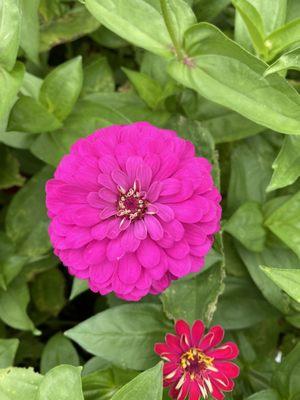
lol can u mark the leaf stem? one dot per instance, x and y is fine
(168, 21)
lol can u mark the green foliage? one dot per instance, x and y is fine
(225, 76)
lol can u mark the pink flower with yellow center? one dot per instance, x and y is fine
(132, 208)
(196, 365)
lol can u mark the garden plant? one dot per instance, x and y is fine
(149, 199)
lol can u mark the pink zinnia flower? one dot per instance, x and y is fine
(132, 208)
(194, 366)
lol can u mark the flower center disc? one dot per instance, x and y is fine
(194, 362)
(132, 203)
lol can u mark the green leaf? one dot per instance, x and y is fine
(8, 349)
(287, 279)
(271, 256)
(284, 222)
(9, 85)
(76, 22)
(117, 16)
(146, 386)
(286, 377)
(58, 350)
(178, 17)
(19, 383)
(290, 60)
(103, 384)
(194, 298)
(10, 22)
(220, 70)
(268, 394)
(9, 169)
(246, 225)
(26, 219)
(30, 116)
(254, 24)
(250, 172)
(13, 304)
(30, 27)
(283, 38)
(61, 88)
(124, 335)
(287, 164)
(148, 89)
(250, 309)
(48, 291)
(79, 286)
(63, 383)
(97, 77)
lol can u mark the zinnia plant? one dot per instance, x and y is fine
(132, 209)
(198, 364)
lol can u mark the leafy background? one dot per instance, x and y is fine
(224, 75)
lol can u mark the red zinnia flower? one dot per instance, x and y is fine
(194, 366)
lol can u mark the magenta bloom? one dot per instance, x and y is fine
(132, 208)
(195, 367)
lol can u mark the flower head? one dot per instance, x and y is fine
(196, 365)
(132, 208)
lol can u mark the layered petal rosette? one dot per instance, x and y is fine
(196, 364)
(131, 209)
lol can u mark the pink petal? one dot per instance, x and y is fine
(154, 227)
(140, 230)
(148, 253)
(129, 269)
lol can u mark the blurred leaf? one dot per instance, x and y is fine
(13, 304)
(30, 27)
(97, 77)
(8, 349)
(290, 60)
(9, 85)
(72, 25)
(124, 335)
(63, 383)
(19, 383)
(26, 219)
(48, 292)
(246, 225)
(194, 298)
(250, 309)
(284, 222)
(61, 88)
(287, 164)
(103, 384)
(250, 172)
(117, 15)
(268, 394)
(286, 377)
(40, 120)
(9, 169)
(148, 89)
(287, 279)
(254, 24)
(223, 72)
(79, 286)
(10, 263)
(146, 386)
(206, 10)
(58, 350)
(18, 140)
(273, 257)
(283, 38)
(10, 22)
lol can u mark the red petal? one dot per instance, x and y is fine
(197, 332)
